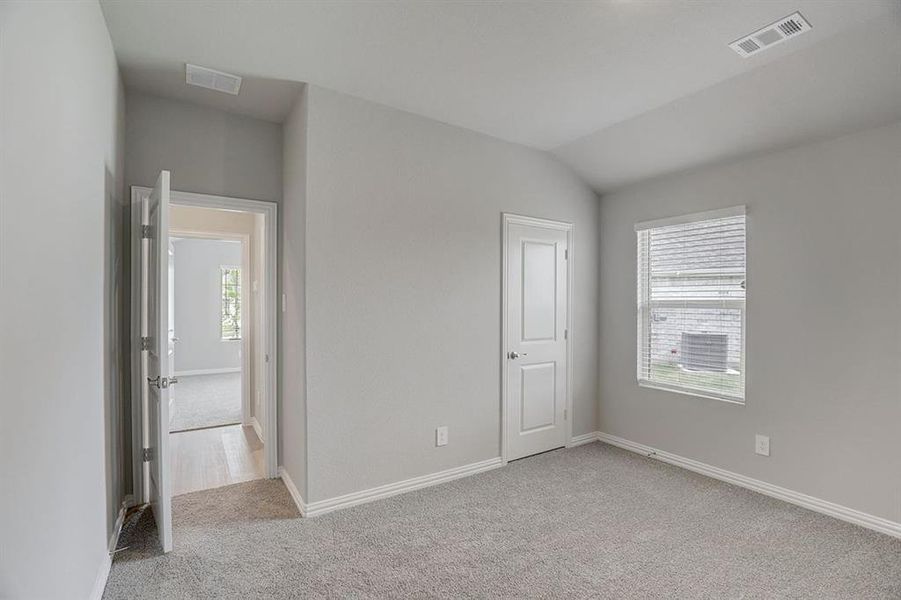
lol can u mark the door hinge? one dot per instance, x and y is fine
(565, 413)
(146, 232)
(566, 334)
(147, 454)
(566, 255)
(145, 342)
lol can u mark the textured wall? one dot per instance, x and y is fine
(403, 254)
(292, 410)
(824, 291)
(198, 302)
(208, 151)
(63, 254)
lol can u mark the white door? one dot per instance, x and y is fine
(536, 346)
(171, 337)
(155, 328)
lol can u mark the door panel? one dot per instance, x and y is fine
(539, 318)
(155, 304)
(538, 390)
(536, 347)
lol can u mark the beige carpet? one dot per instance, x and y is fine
(591, 522)
(206, 401)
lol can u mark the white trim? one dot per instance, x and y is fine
(257, 429)
(687, 391)
(580, 440)
(137, 385)
(321, 507)
(292, 489)
(102, 575)
(107, 562)
(191, 372)
(721, 213)
(843, 513)
(270, 317)
(508, 219)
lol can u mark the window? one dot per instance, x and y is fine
(691, 304)
(230, 292)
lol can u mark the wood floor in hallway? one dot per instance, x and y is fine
(210, 458)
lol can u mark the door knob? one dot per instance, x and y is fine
(161, 382)
(513, 355)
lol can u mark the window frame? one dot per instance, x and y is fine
(240, 284)
(646, 307)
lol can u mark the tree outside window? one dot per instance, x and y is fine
(230, 287)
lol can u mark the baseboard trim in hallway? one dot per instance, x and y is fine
(322, 507)
(106, 564)
(825, 507)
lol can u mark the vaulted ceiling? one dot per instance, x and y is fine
(620, 90)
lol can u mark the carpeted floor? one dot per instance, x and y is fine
(206, 401)
(590, 522)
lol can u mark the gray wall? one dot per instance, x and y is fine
(198, 303)
(403, 256)
(208, 151)
(824, 291)
(62, 312)
(292, 408)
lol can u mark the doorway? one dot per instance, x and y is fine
(536, 373)
(204, 412)
(215, 435)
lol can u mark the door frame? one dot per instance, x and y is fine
(508, 219)
(269, 330)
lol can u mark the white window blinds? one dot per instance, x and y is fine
(691, 304)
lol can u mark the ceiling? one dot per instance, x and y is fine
(620, 90)
(849, 82)
(537, 73)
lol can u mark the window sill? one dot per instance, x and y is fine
(687, 392)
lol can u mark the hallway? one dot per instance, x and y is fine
(210, 458)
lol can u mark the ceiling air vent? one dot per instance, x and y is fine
(767, 37)
(212, 79)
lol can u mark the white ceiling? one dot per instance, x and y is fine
(538, 73)
(846, 83)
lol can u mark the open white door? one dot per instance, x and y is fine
(156, 365)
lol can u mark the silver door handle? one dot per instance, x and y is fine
(161, 383)
(513, 355)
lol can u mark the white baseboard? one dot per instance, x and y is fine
(585, 438)
(102, 576)
(257, 428)
(292, 489)
(321, 507)
(207, 371)
(825, 507)
(107, 562)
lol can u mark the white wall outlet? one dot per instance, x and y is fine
(762, 445)
(441, 436)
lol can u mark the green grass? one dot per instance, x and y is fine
(717, 383)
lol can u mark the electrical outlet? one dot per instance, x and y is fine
(762, 445)
(441, 436)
